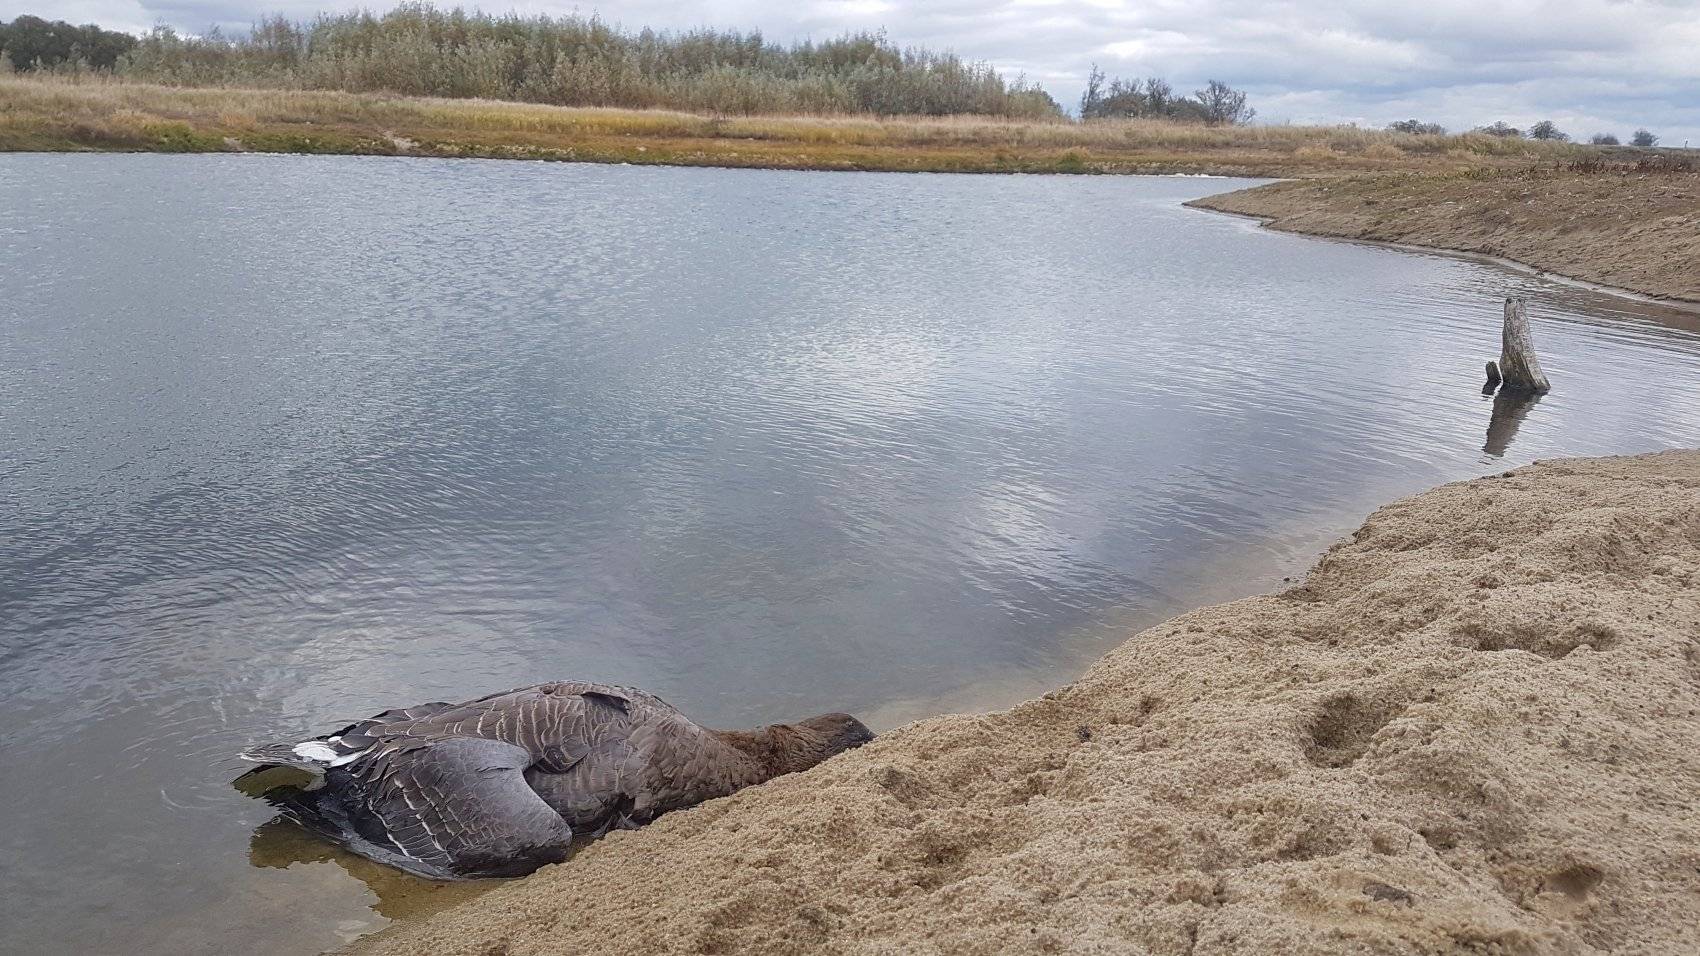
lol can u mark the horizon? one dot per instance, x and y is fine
(1589, 67)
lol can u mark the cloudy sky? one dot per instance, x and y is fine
(1590, 65)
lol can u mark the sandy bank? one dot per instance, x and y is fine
(1636, 231)
(1474, 727)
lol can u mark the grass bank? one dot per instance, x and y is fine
(1632, 225)
(98, 114)
(1473, 727)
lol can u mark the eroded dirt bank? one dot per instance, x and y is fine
(1474, 727)
(1633, 230)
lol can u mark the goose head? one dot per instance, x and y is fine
(836, 733)
(788, 748)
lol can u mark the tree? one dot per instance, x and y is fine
(1417, 128)
(1223, 105)
(1217, 104)
(32, 43)
(1603, 139)
(1501, 128)
(1091, 101)
(1159, 95)
(1548, 130)
(1644, 139)
(1127, 99)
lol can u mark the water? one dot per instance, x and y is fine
(288, 440)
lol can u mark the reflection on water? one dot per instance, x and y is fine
(282, 844)
(1510, 407)
(285, 441)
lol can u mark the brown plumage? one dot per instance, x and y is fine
(500, 785)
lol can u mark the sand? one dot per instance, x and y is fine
(1628, 230)
(1474, 727)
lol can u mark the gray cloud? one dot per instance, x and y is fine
(1590, 65)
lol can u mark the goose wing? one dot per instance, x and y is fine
(494, 786)
(456, 806)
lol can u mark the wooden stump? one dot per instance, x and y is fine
(1492, 378)
(1517, 363)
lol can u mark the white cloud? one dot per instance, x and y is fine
(1591, 65)
(128, 15)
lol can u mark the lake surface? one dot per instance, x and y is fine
(285, 441)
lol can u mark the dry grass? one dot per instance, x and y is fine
(103, 114)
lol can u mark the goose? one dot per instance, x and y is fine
(499, 786)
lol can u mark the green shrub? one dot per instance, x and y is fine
(419, 50)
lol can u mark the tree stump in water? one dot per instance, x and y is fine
(1492, 378)
(1517, 363)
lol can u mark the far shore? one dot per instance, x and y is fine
(1470, 727)
(95, 114)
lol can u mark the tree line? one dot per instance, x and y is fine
(420, 50)
(1217, 104)
(417, 49)
(1545, 130)
(29, 43)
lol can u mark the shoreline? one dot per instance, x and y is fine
(1613, 232)
(1156, 169)
(1524, 268)
(1470, 725)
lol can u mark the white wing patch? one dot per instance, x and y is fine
(314, 750)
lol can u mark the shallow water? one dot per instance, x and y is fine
(288, 440)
